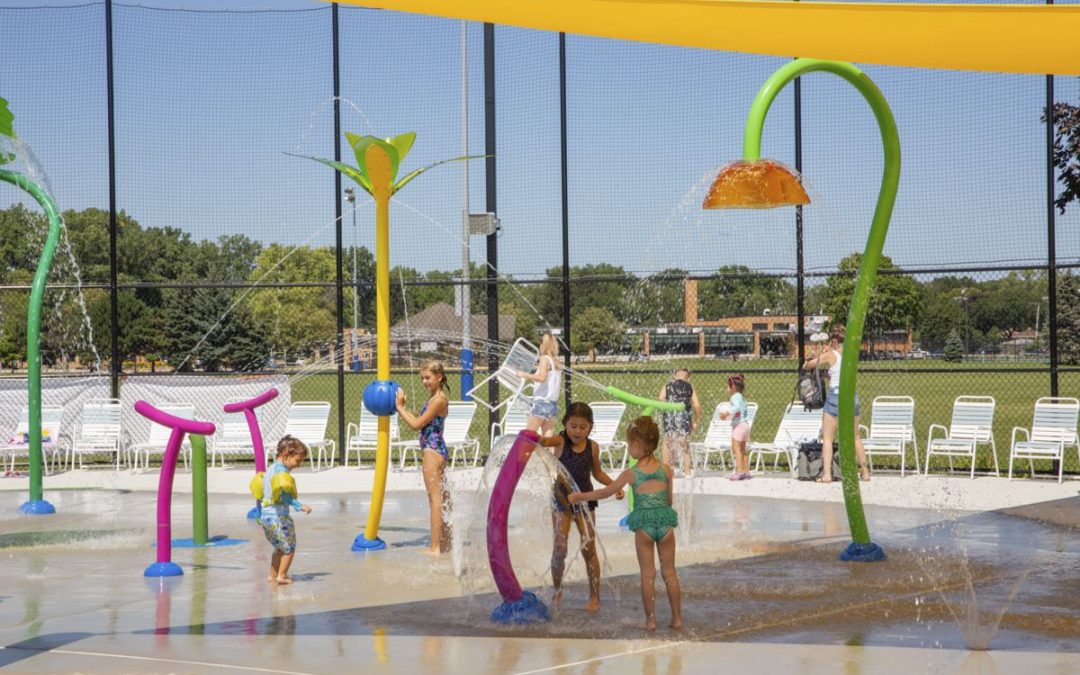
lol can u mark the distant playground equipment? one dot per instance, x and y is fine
(757, 183)
(376, 169)
(36, 505)
(164, 566)
(248, 408)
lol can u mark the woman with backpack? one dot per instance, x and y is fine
(830, 358)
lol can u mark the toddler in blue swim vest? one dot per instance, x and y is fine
(276, 491)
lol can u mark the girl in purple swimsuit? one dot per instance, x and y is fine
(430, 423)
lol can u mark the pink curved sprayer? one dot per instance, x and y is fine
(248, 408)
(519, 606)
(164, 567)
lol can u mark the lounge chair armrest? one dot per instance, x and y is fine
(1027, 435)
(944, 430)
(350, 431)
(864, 431)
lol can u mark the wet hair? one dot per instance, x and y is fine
(645, 430)
(290, 446)
(738, 380)
(837, 333)
(681, 370)
(435, 367)
(578, 409)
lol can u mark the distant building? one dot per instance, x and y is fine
(437, 330)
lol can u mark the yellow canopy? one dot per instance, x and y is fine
(1035, 39)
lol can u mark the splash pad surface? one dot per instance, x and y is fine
(761, 584)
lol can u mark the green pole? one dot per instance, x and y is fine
(200, 525)
(871, 255)
(37, 504)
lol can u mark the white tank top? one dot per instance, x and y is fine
(549, 388)
(834, 373)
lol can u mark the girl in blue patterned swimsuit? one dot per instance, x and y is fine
(278, 494)
(652, 520)
(430, 423)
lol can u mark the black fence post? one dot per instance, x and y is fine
(565, 218)
(114, 295)
(339, 342)
(800, 270)
(1051, 236)
(493, 238)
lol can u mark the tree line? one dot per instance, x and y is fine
(180, 303)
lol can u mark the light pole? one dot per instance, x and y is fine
(350, 197)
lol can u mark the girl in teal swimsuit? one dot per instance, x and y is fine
(652, 520)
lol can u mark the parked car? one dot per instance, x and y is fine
(917, 354)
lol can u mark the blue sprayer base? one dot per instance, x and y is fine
(856, 552)
(254, 513)
(529, 609)
(37, 507)
(163, 569)
(624, 522)
(363, 544)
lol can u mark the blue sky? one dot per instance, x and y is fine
(209, 102)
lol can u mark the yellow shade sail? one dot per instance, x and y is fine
(1034, 39)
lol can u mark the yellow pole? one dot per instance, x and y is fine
(382, 350)
(379, 170)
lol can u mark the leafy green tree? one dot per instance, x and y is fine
(524, 321)
(656, 300)
(596, 328)
(1006, 304)
(1068, 319)
(600, 285)
(954, 348)
(1066, 152)
(204, 329)
(895, 302)
(738, 292)
(295, 319)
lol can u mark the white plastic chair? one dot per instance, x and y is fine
(892, 428)
(515, 417)
(797, 423)
(234, 439)
(159, 435)
(718, 437)
(459, 418)
(1053, 428)
(972, 425)
(307, 423)
(607, 415)
(51, 418)
(365, 436)
(100, 431)
(523, 356)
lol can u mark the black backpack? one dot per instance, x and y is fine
(810, 389)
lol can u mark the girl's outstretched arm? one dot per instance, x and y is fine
(598, 469)
(438, 409)
(541, 372)
(603, 493)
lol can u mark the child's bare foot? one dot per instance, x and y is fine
(431, 551)
(557, 597)
(284, 581)
(593, 605)
(650, 623)
(272, 578)
(676, 624)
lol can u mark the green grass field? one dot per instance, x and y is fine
(771, 386)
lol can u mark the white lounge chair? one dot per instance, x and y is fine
(892, 428)
(797, 423)
(607, 415)
(235, 439)
(365, 436)
(307, 422)
(523, 356)
(1053, 428)
(159, 436)
(972, 425)
(100, 431)
(51, 441)
(515, 417)
(718, 437)
(459, 420)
